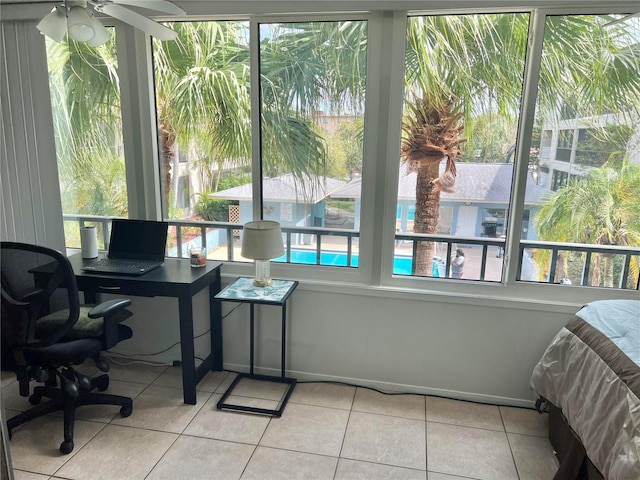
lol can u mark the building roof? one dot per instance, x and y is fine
(285, 189)
(475, 182)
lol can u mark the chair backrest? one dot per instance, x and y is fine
(35, 281)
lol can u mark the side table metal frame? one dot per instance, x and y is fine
(290, 382)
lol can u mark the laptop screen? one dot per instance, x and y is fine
(138, 239)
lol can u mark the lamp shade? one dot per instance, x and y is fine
(54, 25)
(101, 36)
(79, 25)
(262, 240)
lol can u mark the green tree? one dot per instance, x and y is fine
(601, 209)
(204, 104)
(85, 98)
(202, 98)
(344, 149)
(303, 65)
(461, 66)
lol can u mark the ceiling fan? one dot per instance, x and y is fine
(75, 18)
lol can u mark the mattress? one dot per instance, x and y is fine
(591, 371)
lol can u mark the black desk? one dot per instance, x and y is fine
(243, 291)
(176, 279)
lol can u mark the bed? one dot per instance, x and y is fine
(589, 381)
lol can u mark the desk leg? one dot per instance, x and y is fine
(284, 339)
(251, 339)
(185, 307)
(90, 298)
(215, 317)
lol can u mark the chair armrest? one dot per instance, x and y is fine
(113, 313)
(109, 307)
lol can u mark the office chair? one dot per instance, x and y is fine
(48, 331)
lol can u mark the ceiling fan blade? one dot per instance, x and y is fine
(621, 19)
(157, 5)
(138, 21)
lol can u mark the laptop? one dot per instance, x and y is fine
(136, 247)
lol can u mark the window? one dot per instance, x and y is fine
(204, 116)
(596, 146)
(545, 144)
(590, 204)
(565, 145)
(459, 135)
(204, 119)
(559, 180)
(277, 131)
(311, 170)
(85, 104)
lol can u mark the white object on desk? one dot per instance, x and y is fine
(89, 242)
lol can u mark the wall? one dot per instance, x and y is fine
(465, 351)
(30, 190)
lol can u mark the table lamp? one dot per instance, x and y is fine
(262, 241)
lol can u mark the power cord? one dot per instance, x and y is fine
(425, 395)
(166, 349)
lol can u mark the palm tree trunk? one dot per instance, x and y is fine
(166, 142)
(218, 176)
(608, 270)
(427, 212)
(595, 271)
(561, 270)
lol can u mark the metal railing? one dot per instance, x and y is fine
(222, 237)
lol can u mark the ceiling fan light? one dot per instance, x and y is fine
(79, 25)
(54, 25)
(101, 36)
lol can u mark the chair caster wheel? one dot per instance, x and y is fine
(66, 446)
(35, 399)
(102, 384)
(126, 411)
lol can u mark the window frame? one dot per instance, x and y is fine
(383, 113)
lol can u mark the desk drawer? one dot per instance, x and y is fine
(117, 287)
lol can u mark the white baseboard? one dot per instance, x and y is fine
(389, 387)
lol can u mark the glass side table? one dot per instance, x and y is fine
(277, 294)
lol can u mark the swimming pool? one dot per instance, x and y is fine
(401, 265)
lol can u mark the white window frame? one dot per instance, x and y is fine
(383, 113)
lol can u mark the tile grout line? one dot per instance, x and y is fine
(344, 435)
(513, 458)
(426, 440)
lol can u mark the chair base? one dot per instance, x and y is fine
(60, 400)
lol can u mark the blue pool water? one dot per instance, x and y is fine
(401, 265)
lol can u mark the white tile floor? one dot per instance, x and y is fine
(327, 431)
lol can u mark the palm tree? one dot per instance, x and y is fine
(204, 104)
(459, 67)
(304, 65)
(601, 209)
(431, 133)
(202, 97)
(85, 98)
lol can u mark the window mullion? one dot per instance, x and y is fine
(256, 126)
(523, 144)
(139, 125)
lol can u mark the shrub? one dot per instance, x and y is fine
(211, 209)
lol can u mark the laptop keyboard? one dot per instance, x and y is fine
(112, 262)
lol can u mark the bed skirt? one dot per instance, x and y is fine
(574, 463)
